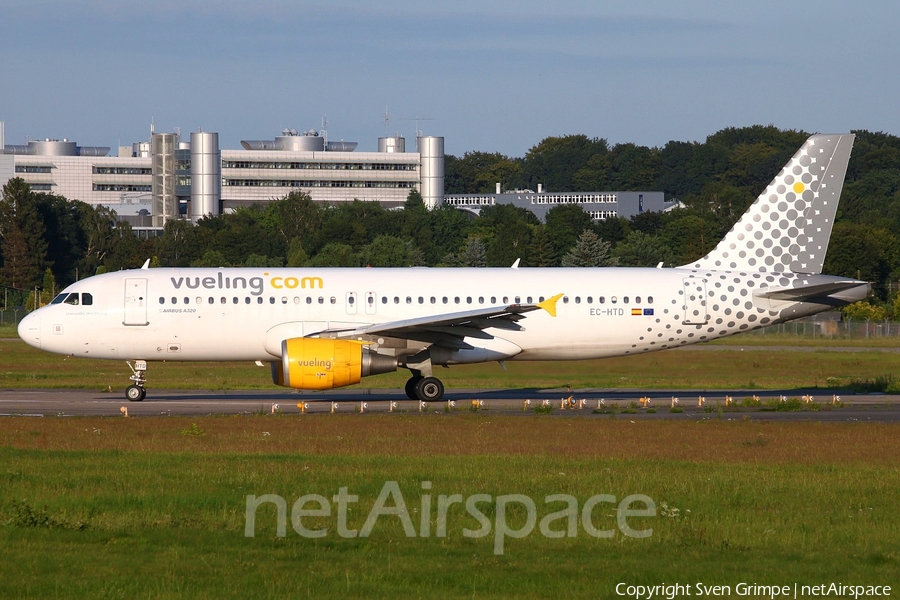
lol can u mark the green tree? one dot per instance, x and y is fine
(555, 161)
(212, 259)
(863, 311)
(295, 216)
(472, 254)
(65, 239)
(588, 251)
(296, 255)
(689, 237)
(260, 261)
(335, 254)
(564, 223)
(642, 250)
(22, 242)
(479, 172)
(507, 232)
(389, 251)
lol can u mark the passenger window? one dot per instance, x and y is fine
(505, 299)
(271, 299)
(199, 300)
(212, 300)
(334, 300)
(187, 300)
(234, 300)
(577, 299)
(649, 299)
(224, 300)
(421, 300)
(247, 300)
(518, 300)
(259, 300)
(296, 299)
(469, 300)
(444, 299)
(540, 298)
(433, 300)
(408, 300)
(308, 300)
(601, 300)
(284, 299)
(396, 300)
(528, 299)
(493, 299)
(589, 300)
(87, 299)
(351, 300)
(161, 300)
(625, 300)
(565, 299)
(613, 299)
(369, 299)
(456, 299)
(637, 299)
(174, 300)
(480, 299)
(322, 300)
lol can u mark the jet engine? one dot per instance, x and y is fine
(322, 364)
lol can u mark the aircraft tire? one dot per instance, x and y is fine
(410, 388)
(135, 393)
(429, 389)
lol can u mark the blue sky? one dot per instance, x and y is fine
(489, 76)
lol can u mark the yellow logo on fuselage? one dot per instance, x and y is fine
(294, 282)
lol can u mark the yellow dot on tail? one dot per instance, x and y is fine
(799, 187)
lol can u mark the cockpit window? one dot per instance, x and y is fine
(72, 299)
(59, 299)
(87, 299)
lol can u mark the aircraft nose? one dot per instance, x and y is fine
(30, 329)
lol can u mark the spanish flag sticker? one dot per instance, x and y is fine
(637, 311)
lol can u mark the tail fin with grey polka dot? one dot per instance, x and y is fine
(788, 227)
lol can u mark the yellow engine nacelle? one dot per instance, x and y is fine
(322, 364)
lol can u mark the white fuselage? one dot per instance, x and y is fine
(243, 314)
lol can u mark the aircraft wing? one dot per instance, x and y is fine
(449, 329)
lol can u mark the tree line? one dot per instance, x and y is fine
(49, 241)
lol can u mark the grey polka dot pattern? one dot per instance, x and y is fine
(778, 244)
(787, 228)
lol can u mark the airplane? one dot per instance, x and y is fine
(323, 328)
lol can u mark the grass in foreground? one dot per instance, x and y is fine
(155, 507)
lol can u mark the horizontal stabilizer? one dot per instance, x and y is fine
(810, 293)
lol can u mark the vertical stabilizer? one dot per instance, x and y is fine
(788, 227)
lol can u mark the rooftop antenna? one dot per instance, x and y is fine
(152, 130)
(387, 120)
(325, 129)
(417, 119)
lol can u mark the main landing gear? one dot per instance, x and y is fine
(426, 389)
(136, 392)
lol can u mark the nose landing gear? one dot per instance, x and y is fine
(136, 392)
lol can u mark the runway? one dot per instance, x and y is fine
(636, 405)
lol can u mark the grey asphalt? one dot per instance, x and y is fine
(584, 403)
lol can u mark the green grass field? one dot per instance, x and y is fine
(156, 507)
(121, 508)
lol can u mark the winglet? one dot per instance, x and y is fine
(146, 264)
(515, 265)
(550, 304)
